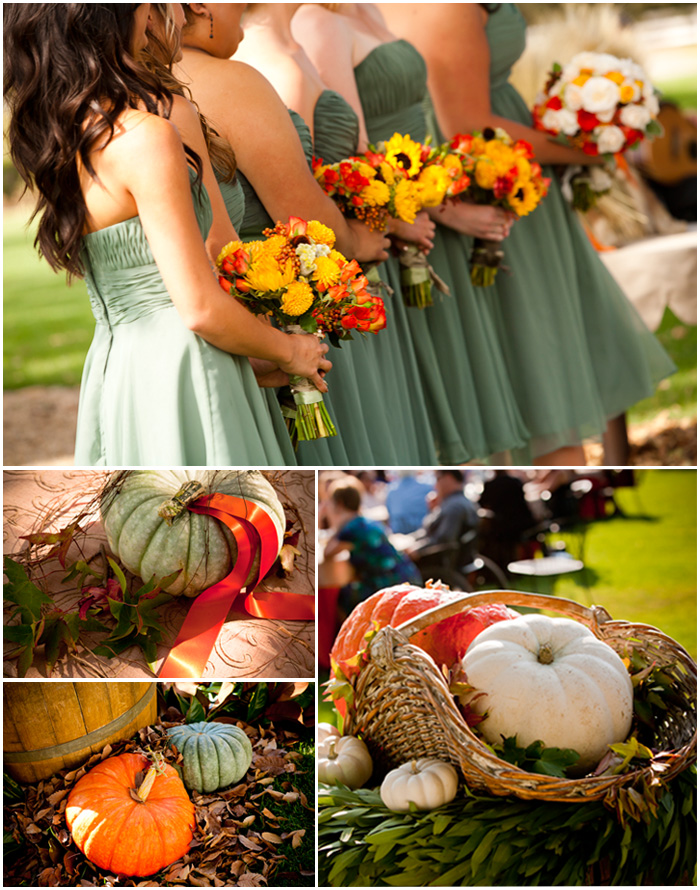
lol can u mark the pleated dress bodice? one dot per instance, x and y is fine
(152, 391)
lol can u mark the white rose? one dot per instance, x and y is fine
(652, 104)
(609, 139)
(561, 121)
(635, 116)
(572, 97)
(322, 249)
(606, 116)
(583, 60)
(604, 63)
(599, 94)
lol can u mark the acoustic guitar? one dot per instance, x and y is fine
(671, 158)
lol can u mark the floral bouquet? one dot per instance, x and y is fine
(602, 105)
(296, 277)
(502, 174)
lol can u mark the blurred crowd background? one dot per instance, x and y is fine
(622, 539)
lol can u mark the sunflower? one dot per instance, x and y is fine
(376, 194)
(524, 198)
(403, 153)
(524, 170)
(297, 299)
(327, 272)
(407, 200)
(386, 171)
(319, 233)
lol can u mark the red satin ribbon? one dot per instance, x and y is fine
(254, 531)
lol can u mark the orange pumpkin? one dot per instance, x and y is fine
(125, 830)
(446, 641)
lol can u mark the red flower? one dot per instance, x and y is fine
(295, 227)
(356, 201)
(462, 142)
(349, 322)
(225, 285)
(337, 292)
(587, 121)
(352, 269)
(523, 147)
(590, 148)
(355, 181)
(330, 177)
(553, 102)
(373, 158)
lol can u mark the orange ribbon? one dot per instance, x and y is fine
(254, 531)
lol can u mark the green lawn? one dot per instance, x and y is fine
(642, 568)
(48, 325)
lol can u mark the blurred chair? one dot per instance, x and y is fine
(460, 565)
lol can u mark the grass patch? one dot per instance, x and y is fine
(48, 326)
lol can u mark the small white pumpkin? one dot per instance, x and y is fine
(325, 730)
(550, 679)
(344, 761)
(426, 782)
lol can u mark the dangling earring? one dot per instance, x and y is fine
(211, 22)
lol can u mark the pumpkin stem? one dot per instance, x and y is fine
(145, 789)
(332, 754)
(545, 655)
(414, 768)
(178, 503)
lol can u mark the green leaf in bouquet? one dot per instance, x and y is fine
(653, 129)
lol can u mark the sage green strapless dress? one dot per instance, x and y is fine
(153, 393)
(578, 352)
(472, 408)
(375, 399)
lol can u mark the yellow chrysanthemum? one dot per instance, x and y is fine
(453, 165)
(327, 272)
(337, 258)
(297, 299)
(273, 245)
(478, 145)
(403, 153)
(387, 173)
(320, 170)
(376, 194)
(485, 174)
(266, 274)
(524, 199)
(319, 233)
(230, 248)
(407, 200)
(498, 152)
(366, 170)
(433, 182)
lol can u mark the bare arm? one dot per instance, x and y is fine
(334, 547)
(329, 44)
(185, 117)
(147, 155)
(451, 37)
(269, 152)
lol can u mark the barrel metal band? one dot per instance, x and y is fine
(83, 741)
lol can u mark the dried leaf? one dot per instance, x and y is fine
(271, 838)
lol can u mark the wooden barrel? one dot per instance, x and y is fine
(53, 725)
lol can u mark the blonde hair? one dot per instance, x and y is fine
(331, 7)
(159, 57)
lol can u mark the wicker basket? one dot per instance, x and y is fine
(403, 708)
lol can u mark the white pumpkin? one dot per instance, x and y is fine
(326, 730)
(550, 679)
(344, 761)
(426, 782)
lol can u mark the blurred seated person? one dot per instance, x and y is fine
(406, 502)
(451, 516)
(509, 516)
(376, 562)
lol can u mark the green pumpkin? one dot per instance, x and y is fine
(214, 754)
(152, 533)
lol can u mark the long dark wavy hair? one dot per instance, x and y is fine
(68, 76)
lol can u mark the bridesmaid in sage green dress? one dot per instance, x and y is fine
(579, 355)
(166, 380)
(394, 430)
(376, 399)
(472, 409)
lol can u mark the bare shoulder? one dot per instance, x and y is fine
(311, 20)
(183, 111)
(142, 142)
